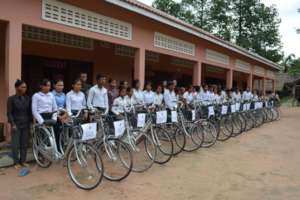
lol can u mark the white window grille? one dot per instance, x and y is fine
(259, 71)
(55, 37)
(182, 62)
(62, 13)
(243, 66)
(124, 51)
(152, 57)
(173, 44)
(270, 74)
(217, 57)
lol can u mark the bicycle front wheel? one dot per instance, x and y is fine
(85, 166)
(117, 159)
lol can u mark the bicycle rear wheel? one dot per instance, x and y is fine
(193, 138)
(40, 143)
(210, 134)
(226, 129)
(85, 166)
(237, 125)
(117, 159)
(164, 145)
(143, 153)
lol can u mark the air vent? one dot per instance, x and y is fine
(173, 44)
(55, 37)
(217, 57)
(124, 51)
(243, 66)
(62, 13)
(259, 71)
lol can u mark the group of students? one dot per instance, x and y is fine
(21, 108)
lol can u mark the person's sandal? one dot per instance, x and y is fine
(17, 166)
(25, 165)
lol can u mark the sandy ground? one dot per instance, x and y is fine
(262, 164)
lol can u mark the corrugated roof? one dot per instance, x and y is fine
(201, 31)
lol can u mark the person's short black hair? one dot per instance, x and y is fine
(99, 76)
(170, 83)
(128, 89)
(57, 80)
(18, 83)
(44, 82)
(76, 81)
(135, 82)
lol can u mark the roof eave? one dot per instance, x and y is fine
(193, 30)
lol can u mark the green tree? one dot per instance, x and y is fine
(287, 62)
(294, 69)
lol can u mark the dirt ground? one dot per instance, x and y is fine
(262, 164)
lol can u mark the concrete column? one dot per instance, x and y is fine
(250, 81)
(264, 86)
(229, 79)
(13, 62)
(197, 74)
(139, 66)
(273, 86)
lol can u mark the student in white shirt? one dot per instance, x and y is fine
(120, 102)
(43, 103)
(247, 95)
(205, 96)
(98, 95)
(189, 95)
(148, 94)
(75, 100)
(255, 95)
(130, 99)
(138, 94)
(216, 97)
(158, 96)
(170, 97)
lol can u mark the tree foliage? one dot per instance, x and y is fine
(248, 23)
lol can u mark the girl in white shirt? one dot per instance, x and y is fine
(120, 102)
(138, 94)
(148, 95)
(75, 100)
(158, 96)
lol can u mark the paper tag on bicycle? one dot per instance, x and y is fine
(174, 116)
(248, 106)
(232, 108)
(141, 119)
(211, 111)
(119, 128)
(244, 107)
(237, 106)
(161, 117)
(89, 131)
(224, 110)
(193, 115)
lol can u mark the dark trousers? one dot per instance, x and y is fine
(19, 144)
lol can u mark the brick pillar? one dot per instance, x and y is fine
(139, 66)
(197, 74)
(229, 79)
(13, 62)
(250, 81)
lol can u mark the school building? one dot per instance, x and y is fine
(123, 39)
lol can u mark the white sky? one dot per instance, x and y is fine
(290, 20)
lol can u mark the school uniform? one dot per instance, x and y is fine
(98, 98)
(75, 101)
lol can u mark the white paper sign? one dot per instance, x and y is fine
(119, 128)
(89, 131)
(161, 117)
(211, 111)
(193, 115)
(248, 106)
(232, 108)
(141, 120)
(174, 116)
(237, 106)
(244, 107)
(224, 110)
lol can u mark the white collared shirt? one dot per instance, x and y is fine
(247, 95)
(119, 104)
(188, 96)
(43, 103)
(75, 101)
(205, 96)
(149, 97)
(170, 99)
(138, 95)
(98, 97)
(158, 99)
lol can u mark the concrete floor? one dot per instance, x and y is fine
(262, 164)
